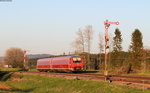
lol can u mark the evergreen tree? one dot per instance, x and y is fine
(117, 41)
(135, 50)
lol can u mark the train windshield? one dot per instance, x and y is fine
(77, 60)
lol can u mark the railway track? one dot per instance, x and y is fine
(137, 81)
(132, 79)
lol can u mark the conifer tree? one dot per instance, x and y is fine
(136, 49)
(117, 41)
(117, 47)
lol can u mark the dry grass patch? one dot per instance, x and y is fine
(3, 86)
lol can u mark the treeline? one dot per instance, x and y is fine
(136, 59)
(118, 63)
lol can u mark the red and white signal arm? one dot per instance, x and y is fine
(116, 23)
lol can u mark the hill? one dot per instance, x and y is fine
(30, 56)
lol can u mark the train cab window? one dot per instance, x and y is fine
(76, 60)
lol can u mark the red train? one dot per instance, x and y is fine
(67, 63)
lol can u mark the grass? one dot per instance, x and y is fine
(41, 84)
(16, 69)
(34, 70)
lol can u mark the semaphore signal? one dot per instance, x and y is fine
(107, 24)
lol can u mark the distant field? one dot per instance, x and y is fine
(40, 84)
(15, 69)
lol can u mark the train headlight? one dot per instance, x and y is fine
(79, 59)
(74, 59)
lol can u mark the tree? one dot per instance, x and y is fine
(135, 50)
(117, 41)
(83, 42)
(111, 42)
(81, 39)
(117, 48)
(101, 48)
(79, 42)
(88, 33)
(14, 57)
(76, 46)
(101, 43)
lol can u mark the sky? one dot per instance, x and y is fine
(50, 26)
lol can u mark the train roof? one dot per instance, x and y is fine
(58, 57)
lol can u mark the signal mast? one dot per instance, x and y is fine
(25, 61)
(107, 24)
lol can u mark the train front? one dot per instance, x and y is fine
(77, 63)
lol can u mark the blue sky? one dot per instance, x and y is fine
(49, 26)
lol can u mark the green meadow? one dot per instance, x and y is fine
(14, 83)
